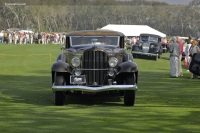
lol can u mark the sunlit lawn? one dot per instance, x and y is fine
(162, 104)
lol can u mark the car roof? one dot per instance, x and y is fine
(95, 33)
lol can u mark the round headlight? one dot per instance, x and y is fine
(152, 46)
(75, 62)
(113, 62)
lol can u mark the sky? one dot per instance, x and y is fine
(179, 2)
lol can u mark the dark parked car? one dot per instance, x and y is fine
(94, 62)
(148, 46)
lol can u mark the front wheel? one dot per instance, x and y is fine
(59, 96)
(129, 95)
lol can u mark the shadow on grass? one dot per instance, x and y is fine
(37, 90)
(154, 88)
(26, 89)
(159, 98)
(164, 58)
(145, 57)
(96, 99)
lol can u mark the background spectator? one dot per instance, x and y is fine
(174, 57)
(193, 49)
(180, 71)
(39, 38)
(1, 37)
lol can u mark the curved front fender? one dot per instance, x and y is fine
(60, 66)
(128, 66)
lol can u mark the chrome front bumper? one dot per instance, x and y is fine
(141, 53)
(94, 89)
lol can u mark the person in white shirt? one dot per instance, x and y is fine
(10, 37)
(1, 37)
(187, 48)
(16, 37)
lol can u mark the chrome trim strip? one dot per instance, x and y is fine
(141, 53)
(94, 89)
(94, 73)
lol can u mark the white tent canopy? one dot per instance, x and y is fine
(26, 31)
(133, 30)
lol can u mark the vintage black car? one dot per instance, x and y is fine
(148, 46)
(94, 62)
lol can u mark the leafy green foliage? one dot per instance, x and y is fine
(71, 15)
(163, 104)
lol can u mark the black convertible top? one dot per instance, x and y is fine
(95, 33)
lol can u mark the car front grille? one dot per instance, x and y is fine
(94, 67)
(145, 47)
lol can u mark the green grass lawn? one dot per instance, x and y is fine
(163, 104)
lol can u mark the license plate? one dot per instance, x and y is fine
(77, 79)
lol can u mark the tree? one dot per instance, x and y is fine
(194, 3)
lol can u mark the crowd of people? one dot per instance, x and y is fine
(176, 50)
(20, 38)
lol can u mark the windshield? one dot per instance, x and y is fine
(148, 38)
(144, 38)
(155, 39)
(97, 40)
